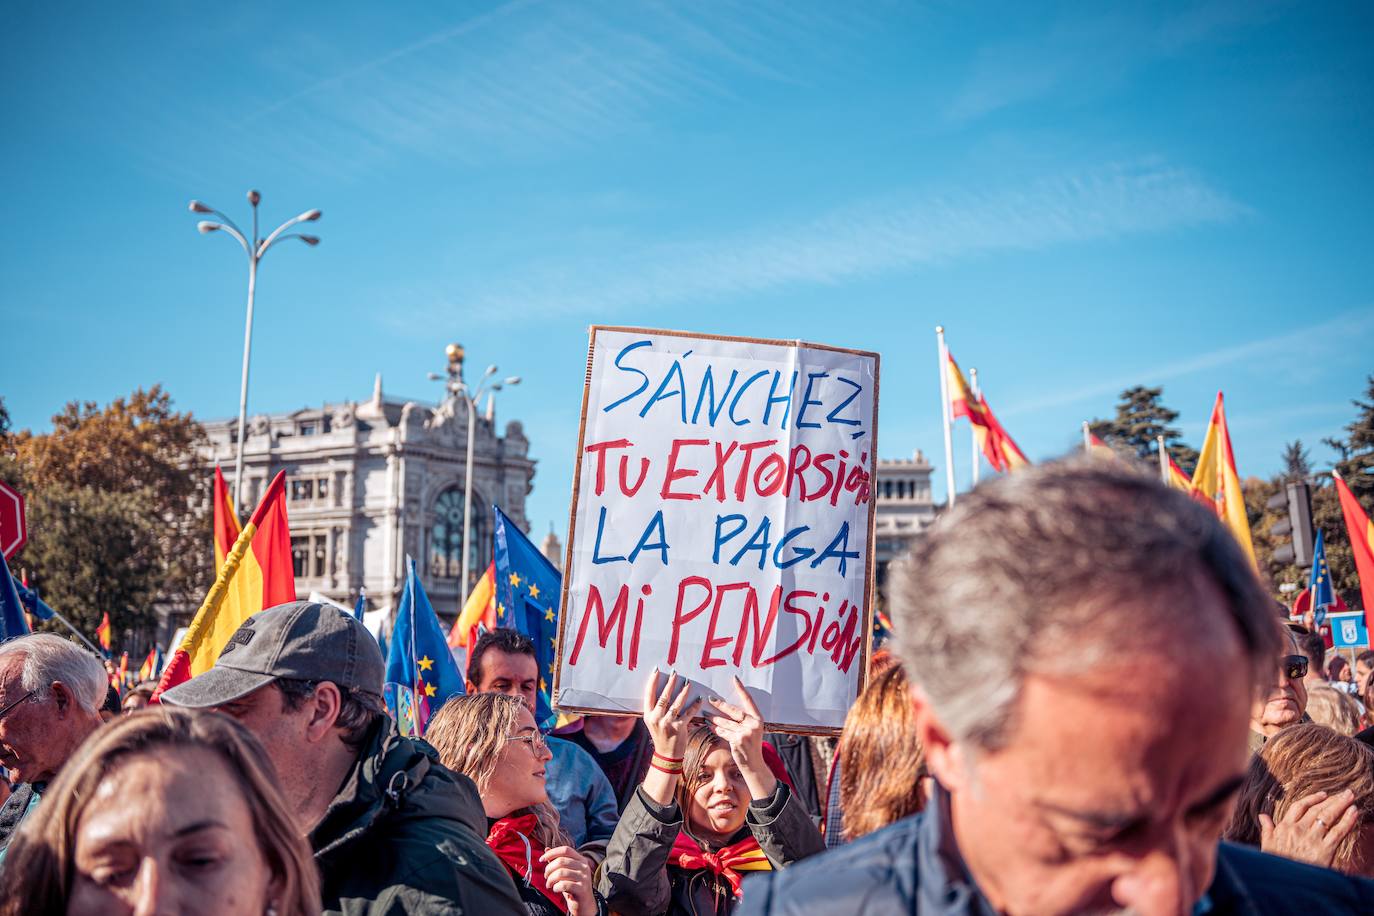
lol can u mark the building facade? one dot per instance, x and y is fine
(905, 509)
(369, 483)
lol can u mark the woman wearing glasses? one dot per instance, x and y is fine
(492, 739)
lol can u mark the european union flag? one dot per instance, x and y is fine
(527, 594)
(12, 622)
(32, 603)
(420, 672)
(1319, 582)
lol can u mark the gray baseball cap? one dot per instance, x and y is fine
(303, 640)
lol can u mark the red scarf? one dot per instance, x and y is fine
(726, 862)
(513, 841)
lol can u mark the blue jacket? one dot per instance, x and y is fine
(581, 794)
(912, 866)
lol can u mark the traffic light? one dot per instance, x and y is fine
(1297, 527)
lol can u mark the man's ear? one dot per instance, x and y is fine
(325, 706)
(944, 754)
(62, 698)
(472, 688)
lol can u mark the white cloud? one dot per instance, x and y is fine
(856, 242)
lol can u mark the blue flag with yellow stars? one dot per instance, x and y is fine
(420, 671)
(12, 622)
(1319, 582)
(527, 594)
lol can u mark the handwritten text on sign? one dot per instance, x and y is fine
(721, 523)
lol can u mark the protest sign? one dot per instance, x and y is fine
(721, 524)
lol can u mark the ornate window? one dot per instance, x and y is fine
(446, 538)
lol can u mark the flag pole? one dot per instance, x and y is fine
(944, 413)
(972, 429)
(1087, 438)
(1163, 460)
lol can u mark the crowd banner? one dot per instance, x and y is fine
(722, 524)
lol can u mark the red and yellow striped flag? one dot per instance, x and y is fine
(480, 609)
(994, 442)
(226, 520)
(1361, 533)
(1175, 477)
(1216, 483)
(102, 633)
(256, 574)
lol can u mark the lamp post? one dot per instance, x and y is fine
(255, 250)
(458, 388)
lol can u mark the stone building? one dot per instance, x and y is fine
(370, 482)
(905, 508)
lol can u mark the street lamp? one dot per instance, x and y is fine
(255, 251)
(458, 389)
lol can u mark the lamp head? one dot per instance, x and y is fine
(511, 380)
(454, 352)
(311, 240)
(198, 207)
(254, 197)
(206, 227)
(309, 216)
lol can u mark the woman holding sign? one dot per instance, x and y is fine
(709, 811)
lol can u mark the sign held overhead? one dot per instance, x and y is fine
(722, 524)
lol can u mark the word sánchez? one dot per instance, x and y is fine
(732, 470)
(738, 630)
(768, 396)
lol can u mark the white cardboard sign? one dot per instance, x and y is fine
(722, 524)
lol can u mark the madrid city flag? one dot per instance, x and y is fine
(1216, 483)
(256, 574)
(1361, 545)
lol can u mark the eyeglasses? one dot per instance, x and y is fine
(1295, 667)
(6, 711)
(536, 742)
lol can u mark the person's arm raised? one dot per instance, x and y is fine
(668, 718)
(742, 728)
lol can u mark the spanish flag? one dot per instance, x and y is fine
(1216, 483)
(994, 442)
(1361, 533)
(152, 665)
(256, 574)
(226, 520)
(1000, 448)
(1174, 476)
(480, 609)
(102, 634)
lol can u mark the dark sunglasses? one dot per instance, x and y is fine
(1295, 667)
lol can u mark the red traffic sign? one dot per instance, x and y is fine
(14, 530)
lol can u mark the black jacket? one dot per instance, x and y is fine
(637, 880)
(907, 867)
(406, 835)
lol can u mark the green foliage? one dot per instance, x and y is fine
(1140, 419)
(1297, 463)
(118, 512)
(1356, 449)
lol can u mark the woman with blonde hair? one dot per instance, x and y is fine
(492, 739)
(165, 810)
(1334, 709)
(1309, 795)
(881, 762)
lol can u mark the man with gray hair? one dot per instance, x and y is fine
(1053, 627)
(51, 691)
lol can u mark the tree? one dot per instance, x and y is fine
(1357, 448)
(118, 511)
(1297, 463)
(1140, 420)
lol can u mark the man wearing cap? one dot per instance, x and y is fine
(393, 831)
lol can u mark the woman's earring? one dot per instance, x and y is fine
(271, 909)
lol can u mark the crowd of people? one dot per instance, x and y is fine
(1090, 706)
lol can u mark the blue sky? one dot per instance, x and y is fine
(1087, 198)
